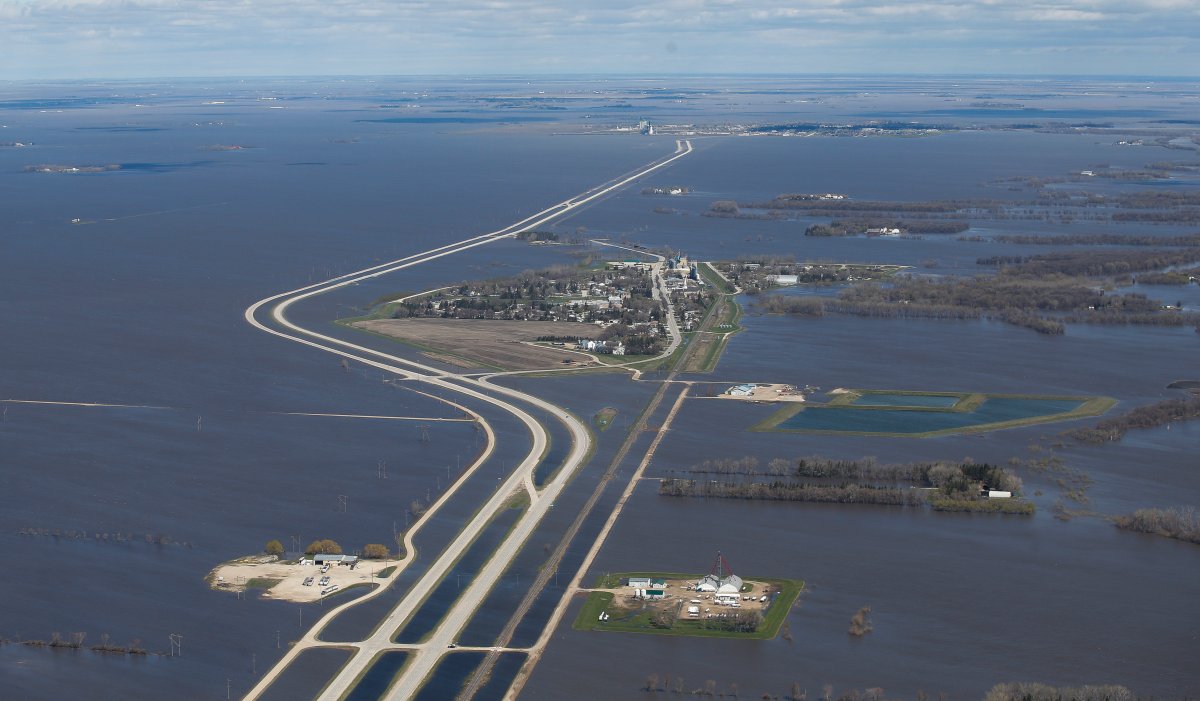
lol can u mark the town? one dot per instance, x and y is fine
(618, 297)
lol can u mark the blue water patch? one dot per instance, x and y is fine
(449, 676)
(378, 677)
(994, 410)
(460, 576)
(550, 464)
(307, 675)
(932, 401)
(502, 677)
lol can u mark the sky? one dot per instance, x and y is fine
(120, 39)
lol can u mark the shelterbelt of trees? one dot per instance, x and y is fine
(1181, 523)
(1035, 292)
(1090, 263)
(1158, 414)
(854, 227)
(943, 486)
(1186, 240)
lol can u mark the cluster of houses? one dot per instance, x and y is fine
(602, 347)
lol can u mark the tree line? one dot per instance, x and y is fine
(1012, 299)
(854, 227)
(1150, 416)
(1181, 523)
(792, 491)
(1187, 240)
(951, 477)
(1090, 263)
(325, 546)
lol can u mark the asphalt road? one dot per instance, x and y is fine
(270, 315)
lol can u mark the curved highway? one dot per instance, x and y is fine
(270, 316)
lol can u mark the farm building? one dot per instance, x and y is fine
(721, 579)
(321, 559)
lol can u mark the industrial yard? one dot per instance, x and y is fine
(718, 604)
(301, 580)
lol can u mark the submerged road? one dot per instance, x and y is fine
(270, 316)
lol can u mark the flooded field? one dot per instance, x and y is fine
(149, 433)
(926, 419)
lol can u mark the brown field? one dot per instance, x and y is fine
(489, 343)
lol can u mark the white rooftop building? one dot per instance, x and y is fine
(721, 579)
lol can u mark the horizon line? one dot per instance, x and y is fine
(626, 75)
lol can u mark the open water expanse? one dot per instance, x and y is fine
(127, 288)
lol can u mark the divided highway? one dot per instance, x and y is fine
(270, 316)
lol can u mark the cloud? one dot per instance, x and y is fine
(124, 38)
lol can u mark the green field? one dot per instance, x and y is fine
(600, 601)
(719, 324)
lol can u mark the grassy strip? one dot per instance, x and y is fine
(1090, 406)
(714, 278)
(386, 571)
(971, 402)
(724, 315)
(603, 418)
(1018, 507)
(262, 582)
(598, 602)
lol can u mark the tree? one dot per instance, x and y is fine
(324, 547)
(860, 623)
(375, 551)
(274, 547)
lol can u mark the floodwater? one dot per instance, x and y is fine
(934, 401)
(202, 453)
(850, 419)
(378, 677)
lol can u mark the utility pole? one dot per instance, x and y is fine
(227, 694)
(277, 646)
